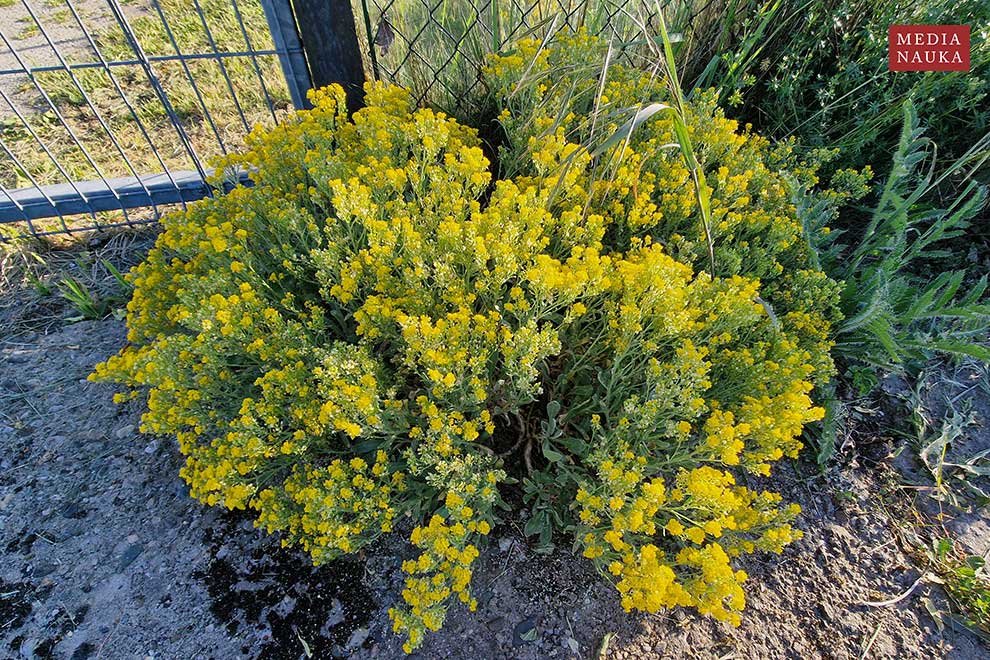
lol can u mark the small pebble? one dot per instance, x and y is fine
(357, 638)
(129, 555)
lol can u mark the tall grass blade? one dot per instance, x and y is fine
(701, 189)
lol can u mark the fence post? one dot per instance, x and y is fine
(329, 37)
(282, 24)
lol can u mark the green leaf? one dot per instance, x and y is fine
(962, 348)
(534, 525)
(627, 129)
(552, 455)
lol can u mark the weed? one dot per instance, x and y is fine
(29, 31)
(117, 275)
(40, 286)
(818, 70)
(895, 316)
(90, 307)
(897, 313)
(967, 582)
(934, 440)
(863, 378)
(32, 271)
(945, 433)
(701, 190)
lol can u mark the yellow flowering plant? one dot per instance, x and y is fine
(379, 330)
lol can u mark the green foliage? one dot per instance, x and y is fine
(93, 306)
(943, 446)
(967, 582)
(701, 190)
(817, 70)
(90, 307)
(895, 312)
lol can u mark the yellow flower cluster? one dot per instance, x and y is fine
(333, 510)
(625, 500)
(706, 514)
(366, 332)
(641, 187)
(648, 582)
(442, 570)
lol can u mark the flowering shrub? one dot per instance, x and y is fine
(378, 330)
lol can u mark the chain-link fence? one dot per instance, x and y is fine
(436, 48)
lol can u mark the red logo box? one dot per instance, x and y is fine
(928, 48)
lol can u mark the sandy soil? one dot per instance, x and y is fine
(105, 556)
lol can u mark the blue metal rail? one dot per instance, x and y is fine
(85, 197)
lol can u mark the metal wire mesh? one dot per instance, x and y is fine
(107, 106)
(436, 48)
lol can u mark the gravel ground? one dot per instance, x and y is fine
(104, 555)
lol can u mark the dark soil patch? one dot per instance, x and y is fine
(14, 603)
(278, 593)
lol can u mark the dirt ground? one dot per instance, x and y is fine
(104, 555)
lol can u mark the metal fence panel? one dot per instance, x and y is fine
(109, 106)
